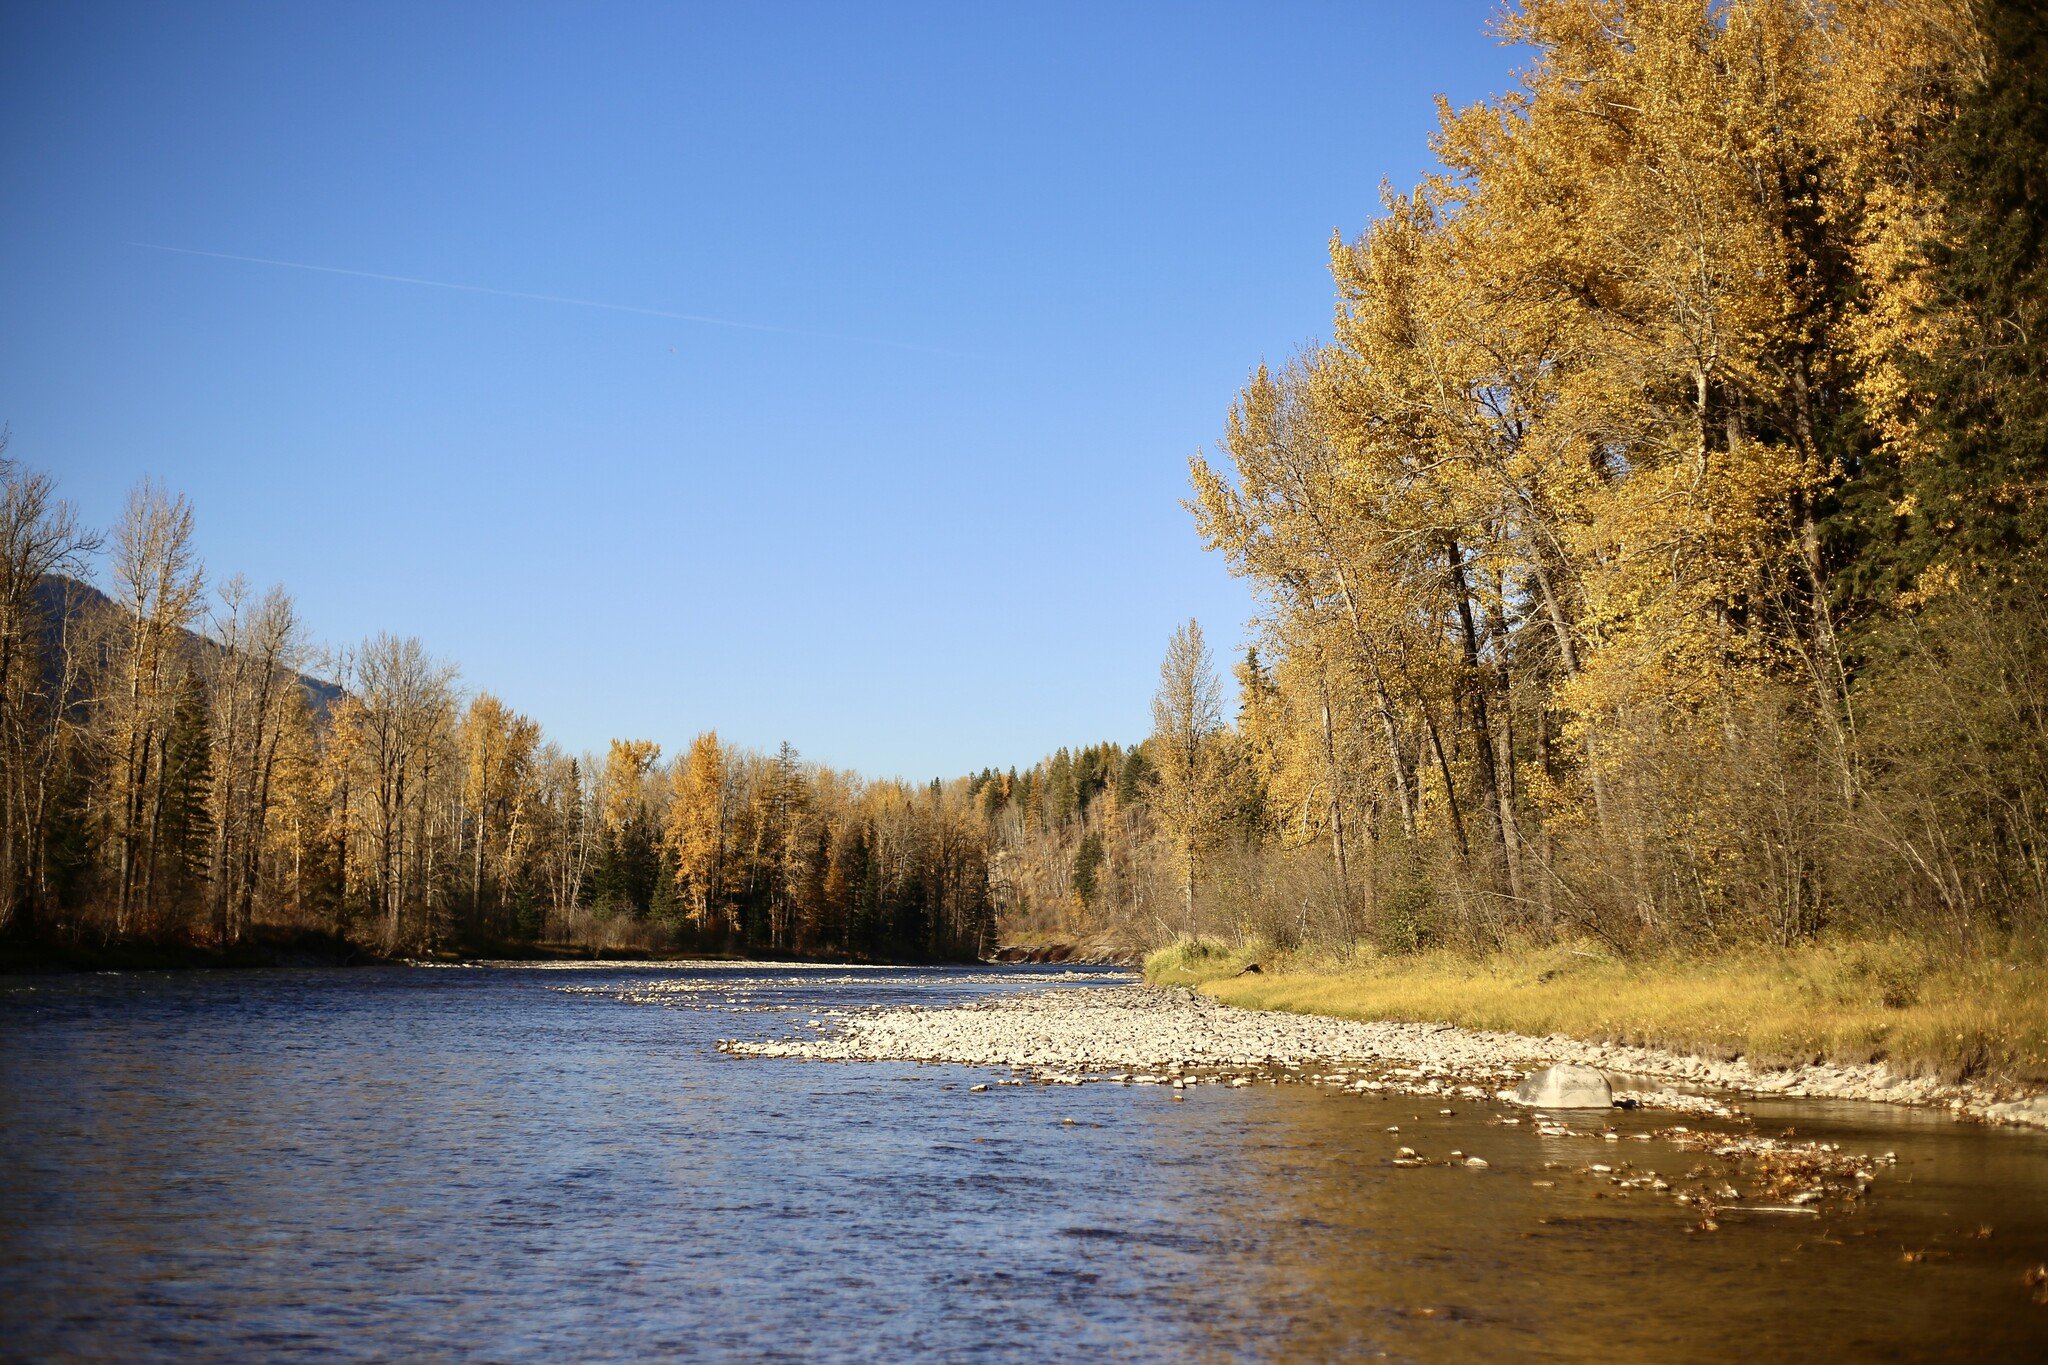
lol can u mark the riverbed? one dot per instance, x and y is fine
(522, 1162)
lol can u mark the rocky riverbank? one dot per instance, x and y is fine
(1101, 952)
(1173, 1036)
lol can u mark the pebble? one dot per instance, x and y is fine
(1149, 1033)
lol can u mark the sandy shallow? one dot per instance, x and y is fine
(1174, 1036)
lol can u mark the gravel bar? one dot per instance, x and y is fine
(1175, 1036)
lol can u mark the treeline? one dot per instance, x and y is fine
(1069, 836)
(1654, 552)
(1110, 844)
(171, 773)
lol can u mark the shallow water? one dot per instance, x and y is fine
(514, 1162)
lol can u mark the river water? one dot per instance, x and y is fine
(520, 1162)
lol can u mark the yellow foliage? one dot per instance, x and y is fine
(1562, 457)
(699, 824)
(626, 766)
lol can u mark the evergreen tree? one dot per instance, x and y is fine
(1978, 496)
(1087, 870)
(1061, 799)
(1132, 777)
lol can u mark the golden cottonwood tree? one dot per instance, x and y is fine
(1544, 518)
(499, 792)
(624, 786)
(698, 834)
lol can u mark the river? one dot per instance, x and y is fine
(522, 1162)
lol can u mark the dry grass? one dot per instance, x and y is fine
(1846, 1000)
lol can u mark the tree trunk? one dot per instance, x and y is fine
(1474, 676)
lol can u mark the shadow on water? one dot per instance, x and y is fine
(526, 1162)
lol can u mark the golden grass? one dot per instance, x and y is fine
(1843, 1000)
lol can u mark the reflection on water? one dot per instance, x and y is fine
(394, 1163)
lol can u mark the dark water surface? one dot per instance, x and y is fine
(504, 1163)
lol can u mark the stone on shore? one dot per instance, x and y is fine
(1565, 1087)
(2031, 1113)
(1153, 1035)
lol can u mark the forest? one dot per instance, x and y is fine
(1651, 558)
(172, 774)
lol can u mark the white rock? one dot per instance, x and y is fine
(1565, 1087)
(2031, 1113)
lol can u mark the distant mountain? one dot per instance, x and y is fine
(57, 596)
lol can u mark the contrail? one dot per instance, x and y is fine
(552, 298)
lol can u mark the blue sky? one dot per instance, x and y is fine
(1004, 267)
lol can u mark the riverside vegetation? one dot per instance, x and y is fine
(1649, 569)
(1843, 1001)
(176, 789)
(1648, 644)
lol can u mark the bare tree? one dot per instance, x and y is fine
(564, 809)
(404, 717)
(157, 580)
(39, 537)
(254, 697)
(1189, 795)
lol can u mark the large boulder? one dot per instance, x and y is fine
(1565, 1087)
(2031, 1113)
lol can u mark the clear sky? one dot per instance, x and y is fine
(985, 276)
